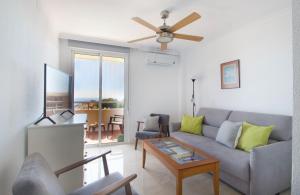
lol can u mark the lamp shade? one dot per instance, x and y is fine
(197, 76)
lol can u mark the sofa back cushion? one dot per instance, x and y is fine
(210, 131)
(282, 124)
(214, 117)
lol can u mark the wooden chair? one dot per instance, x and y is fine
(149, 134)
(36, 178)
(116, 120)
(94, 126)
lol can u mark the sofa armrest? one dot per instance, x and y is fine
(175, 126)
(270, 168)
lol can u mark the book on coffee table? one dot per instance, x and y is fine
(185, 158)
(177, 152)
(180, 150)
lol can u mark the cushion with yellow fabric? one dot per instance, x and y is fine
(253, 136)
(190, 124)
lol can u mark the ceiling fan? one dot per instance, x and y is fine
(165, 34)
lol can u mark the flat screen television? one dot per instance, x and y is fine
(57, 93)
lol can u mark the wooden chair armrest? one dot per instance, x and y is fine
(117, 185)
(80, 163)
(118, 116)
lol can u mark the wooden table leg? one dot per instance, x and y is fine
(144, 157)
(216, 179)
(178, 185)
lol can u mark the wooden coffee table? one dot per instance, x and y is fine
(200, 162)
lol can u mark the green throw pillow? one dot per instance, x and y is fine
(253, 136)
(191, 124)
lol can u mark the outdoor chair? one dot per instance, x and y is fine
(117, 120)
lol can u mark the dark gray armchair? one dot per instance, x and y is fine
(150, 134)
(36, 178)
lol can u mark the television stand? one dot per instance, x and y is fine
(69, 111)
(54, 140)
(45, 117)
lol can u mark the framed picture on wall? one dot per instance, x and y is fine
(230, 75)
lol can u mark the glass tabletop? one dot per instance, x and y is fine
(176, 151)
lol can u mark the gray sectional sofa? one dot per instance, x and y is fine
(266, 170)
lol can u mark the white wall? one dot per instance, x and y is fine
(26, 43)
(152, 89)
(265, 52)
(296, 117)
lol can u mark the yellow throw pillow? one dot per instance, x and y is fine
(191, 124)
(253, 136)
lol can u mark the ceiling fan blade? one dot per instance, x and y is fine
(188, 37)
(141, 39)
(146, 24)
(185, 21)
(163, 46)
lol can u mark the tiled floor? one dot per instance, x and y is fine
(106, 137)
(155, 179)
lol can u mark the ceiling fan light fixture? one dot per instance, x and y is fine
(165, 34)
(164, 37)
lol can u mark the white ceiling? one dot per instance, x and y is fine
(111, 19)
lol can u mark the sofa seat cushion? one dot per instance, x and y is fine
(235, 162)
(189, 138)
(98, 185)
(232, 161)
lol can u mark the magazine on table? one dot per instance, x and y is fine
(167, 150)
(178, 153)
(180, 150)
(192, 156)
(166, 144)
(170, 144)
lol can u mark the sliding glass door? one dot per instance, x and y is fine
(113, 97)
(100, 92)
(86, 92)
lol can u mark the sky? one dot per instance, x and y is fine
(86, 78)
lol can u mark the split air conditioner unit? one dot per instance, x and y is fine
(161, 59)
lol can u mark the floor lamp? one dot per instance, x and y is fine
(193, 97)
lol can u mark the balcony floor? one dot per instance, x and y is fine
(106, 137)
